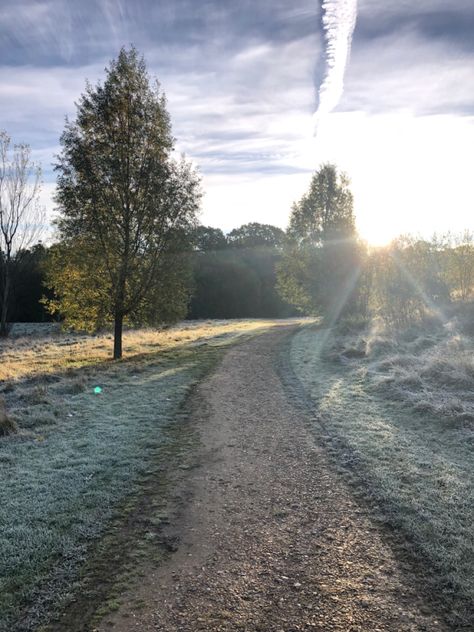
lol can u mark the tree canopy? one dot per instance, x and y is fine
(321, 263)
(126, 205)
(208, 238)
(254, 235)
(325, 213)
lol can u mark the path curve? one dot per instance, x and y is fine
(270, 538)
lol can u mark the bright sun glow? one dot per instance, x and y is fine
(400, 180)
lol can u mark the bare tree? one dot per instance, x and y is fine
(21, 216)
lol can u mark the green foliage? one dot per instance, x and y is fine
(225, 283)
(459, 263)
(255, 235)
(125, 203)
(207, 239)
(325, 213)
(237, 283)
(27, 276)
(322, 263)
(168, 297)
(297, 274)
(235, 276)
(82, 286)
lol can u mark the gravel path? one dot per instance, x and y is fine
(270, 538)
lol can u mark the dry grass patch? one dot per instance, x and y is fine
(29, 355)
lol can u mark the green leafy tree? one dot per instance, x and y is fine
(125, 204)
(209, 239)
(254, 235)
(325, 213)
(225, 287)
(322, 261)
(27, 285)
(235, 277)
(237, 283)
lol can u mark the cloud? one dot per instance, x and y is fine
(239, 77)
(404, 70)
(435, 20)
(244, 115)
(338, 19)
(233, 200)
(52, 32)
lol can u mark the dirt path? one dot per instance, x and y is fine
(270, 538)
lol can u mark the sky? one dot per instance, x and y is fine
(244, 79)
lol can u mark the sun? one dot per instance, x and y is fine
(375, 234)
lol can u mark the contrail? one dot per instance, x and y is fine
(339, 19)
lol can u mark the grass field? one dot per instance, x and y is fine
(78, 454)
(398, 413)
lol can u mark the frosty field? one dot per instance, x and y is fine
(397, 416)
(77, 454)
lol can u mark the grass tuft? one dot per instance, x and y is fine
(7, 425)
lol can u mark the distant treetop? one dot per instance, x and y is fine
(207, 239)
(254, 234)
(326, 211)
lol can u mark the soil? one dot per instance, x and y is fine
(268, 535)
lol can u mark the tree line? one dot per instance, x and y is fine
(229, 276)
(130, 250)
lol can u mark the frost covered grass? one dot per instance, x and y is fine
(77, 453)
(397, 414)
(429, 368)
(38, 373)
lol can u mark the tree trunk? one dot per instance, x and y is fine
(4, 305)
(118, 336)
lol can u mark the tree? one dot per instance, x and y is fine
(326, 212)
(125, 203)
(27, 286)
(237, 283)
(254, 235)
(225, 287)
(235, 277)
(322, 260)
(208, 239)
(20, 214)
